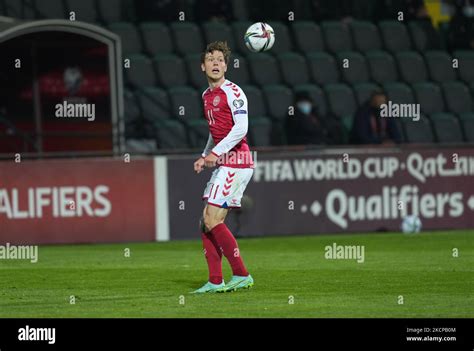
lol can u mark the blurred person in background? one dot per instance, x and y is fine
(308, 127)
(461, 27)
(369, 127)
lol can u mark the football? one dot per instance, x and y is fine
(259, 37)
(411, 224)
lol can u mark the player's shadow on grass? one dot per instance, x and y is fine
(188, 283)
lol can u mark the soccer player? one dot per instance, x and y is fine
(226, 112)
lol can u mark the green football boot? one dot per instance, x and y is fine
(238, 282)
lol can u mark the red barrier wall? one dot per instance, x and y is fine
(334, 191)
(76, 201)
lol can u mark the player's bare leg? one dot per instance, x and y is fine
(213, 216)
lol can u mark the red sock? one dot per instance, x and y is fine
(213, 257)
(226, 240)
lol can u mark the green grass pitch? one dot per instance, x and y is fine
(292, 279)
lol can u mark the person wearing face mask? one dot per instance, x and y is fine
(305, 127)
(461, 27)
(369, 128)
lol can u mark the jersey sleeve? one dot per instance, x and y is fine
(209, 146)
(238, 105)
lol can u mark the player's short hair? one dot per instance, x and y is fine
(217, 46)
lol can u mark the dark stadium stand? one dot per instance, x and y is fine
(337, 37)
(356, 70)
(382, 66)
(411, 66)
(440, 66)
(308, 36)
(407, 59)
(429, 96)
(366, 36)
(323, 68)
